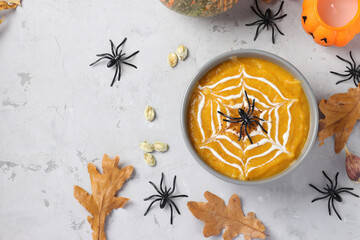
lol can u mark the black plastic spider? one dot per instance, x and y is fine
(246, 119)
(332, 193)
(267, 20)
(352, 72)
(116, 58)
(164, 197)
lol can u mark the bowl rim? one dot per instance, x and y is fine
(314, 114)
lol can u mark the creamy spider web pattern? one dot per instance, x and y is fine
(222, 100)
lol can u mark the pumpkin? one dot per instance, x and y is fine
(323, 33)
(199, 8)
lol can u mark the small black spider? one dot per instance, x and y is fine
(246, 119)
(267, 20)
(164, 197)
(352, 72)
(116, 58)
(332, 193)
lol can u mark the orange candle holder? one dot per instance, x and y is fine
(322, 24)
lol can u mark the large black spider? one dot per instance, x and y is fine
(116, 58)
(164, 196)
(267, 20)
(332, 193)
(246, 119)
(352, 72)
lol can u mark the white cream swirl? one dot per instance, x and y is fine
(222, 99)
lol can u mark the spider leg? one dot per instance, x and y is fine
(257, 31)
(171, 215)
(352, 60)
(332, 185)
(173, 188)
(336, 180)
(132, 65)
(119, 67)
(280, 8)
(117, 48)
(339, 74)
(258, 118)
(247, 134)
(100, 60)
(133, 54)
(316, 199)
(273, 34)
(345, 188)
(161, 182)
(252, 107)
(176, 196)
(342, 191)
(254, 23)
(347, 79)
(241, 130)
(228, 116)
(155, 195)
(356, 79)
(147, 210)
(317, 189)
(278, 18)
(342, 59)
(333, 206)
(116, 73)
(261, 15)
(329, 209)
(262, 128)
(112, 47)
(248, 101)
(177, 210)
(277, 28)
(155, 187)
(105, 55)
(231, 121)
(121, 54)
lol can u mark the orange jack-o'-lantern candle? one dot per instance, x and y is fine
(331, 22)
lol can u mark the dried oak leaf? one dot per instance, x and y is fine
(217, 216)
(10, 4)
(104, 187)
(341, 112)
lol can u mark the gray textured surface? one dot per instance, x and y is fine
(58, 114)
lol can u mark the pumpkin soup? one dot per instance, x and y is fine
(265, 143)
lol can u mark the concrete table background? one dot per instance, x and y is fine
(58, 114)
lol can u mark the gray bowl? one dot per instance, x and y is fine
(314, 115)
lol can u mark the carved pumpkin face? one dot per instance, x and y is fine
(323, 33)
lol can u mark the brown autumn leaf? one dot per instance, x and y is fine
(341, 112)
(217, 216)
(9, 4)
(104, 187)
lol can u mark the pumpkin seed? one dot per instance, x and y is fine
(182, 52)
(149, 113)
(149, 159)
(172, 59)
(146, 147)
(160, 146)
